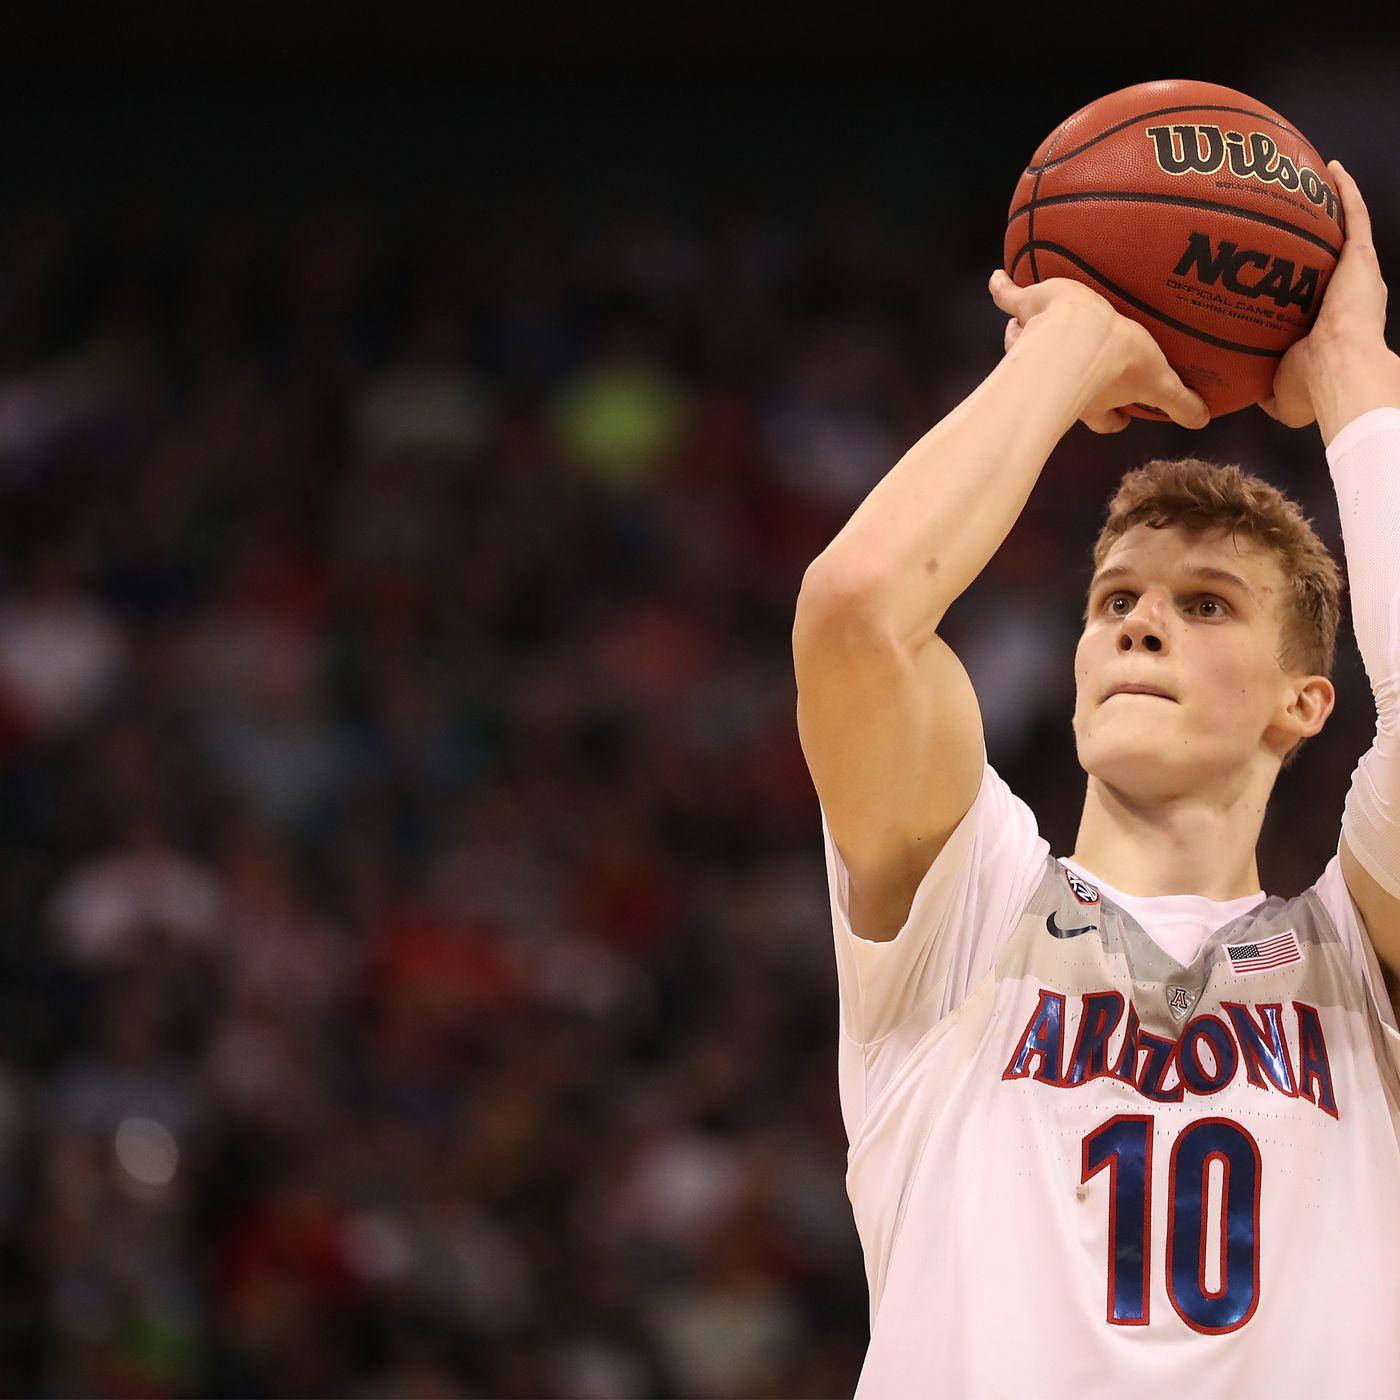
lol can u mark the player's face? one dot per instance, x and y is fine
(1196, 618)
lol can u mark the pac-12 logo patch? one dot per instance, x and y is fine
(1083, 891)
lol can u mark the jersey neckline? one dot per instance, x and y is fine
(1183, 905)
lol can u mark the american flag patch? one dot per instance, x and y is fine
(1265, 954)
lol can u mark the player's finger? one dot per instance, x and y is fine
(1358, 217)
(1180, 404)
(1012, 333)
(1008, 296)
(1292, 413)
(1289, 402)
(1111, 420)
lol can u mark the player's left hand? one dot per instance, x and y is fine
(1352, 312)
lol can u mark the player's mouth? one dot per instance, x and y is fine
(1132, 688)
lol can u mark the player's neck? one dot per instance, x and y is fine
(1191, 845)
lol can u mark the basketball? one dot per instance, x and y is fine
(1197, 212)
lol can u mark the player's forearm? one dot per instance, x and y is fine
(1348, 376)
(930, 526)
(1364, 457)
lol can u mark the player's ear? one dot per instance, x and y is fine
(1314, 698)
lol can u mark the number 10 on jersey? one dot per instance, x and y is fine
(1123, 1147)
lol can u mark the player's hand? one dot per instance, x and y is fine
(1131, 368)
(1352, 312)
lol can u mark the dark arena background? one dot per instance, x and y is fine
(417, 971)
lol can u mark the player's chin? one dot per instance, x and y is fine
(1137, 728)
(1130, 756)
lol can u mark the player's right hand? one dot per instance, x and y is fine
(1130, 368)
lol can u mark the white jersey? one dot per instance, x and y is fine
(1106, 1145)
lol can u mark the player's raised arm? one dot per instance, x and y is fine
(1344, 375)
(887, 717)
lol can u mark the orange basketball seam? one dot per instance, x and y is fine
(1150, 197)
(1030, 219)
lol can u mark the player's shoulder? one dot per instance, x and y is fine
(1001, 846)
(1000, 806)
(1321, 895)
(1323, 912)
(996, 856)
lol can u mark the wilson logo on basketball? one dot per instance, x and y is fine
(1188, 148)
(1227, 264)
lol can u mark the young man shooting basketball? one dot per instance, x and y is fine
(1120, 1117)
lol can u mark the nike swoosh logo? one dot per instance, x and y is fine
(1065, 932)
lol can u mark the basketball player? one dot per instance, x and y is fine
(1119, 1123)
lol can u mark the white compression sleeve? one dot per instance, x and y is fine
(1365, 462)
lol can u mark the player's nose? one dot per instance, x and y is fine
(1144, 629)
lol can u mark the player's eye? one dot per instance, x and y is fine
(1111, 604)
(1211, 607)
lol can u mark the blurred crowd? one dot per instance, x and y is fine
(417, 969)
